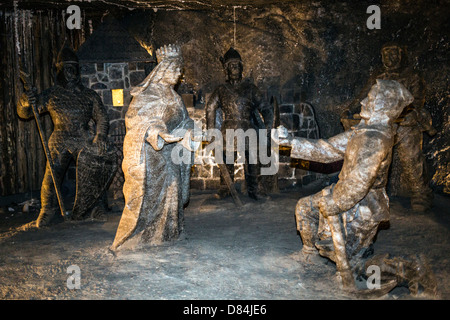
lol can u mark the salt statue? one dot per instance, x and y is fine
(413, 122)
(72, 107)
(238, 104)
(341, 221)
(158, 131)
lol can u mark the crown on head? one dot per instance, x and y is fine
(171, 51)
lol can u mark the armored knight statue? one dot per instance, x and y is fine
(358, 198)
(412, 123)
(238, 104)
(72, 107)
(158, 130)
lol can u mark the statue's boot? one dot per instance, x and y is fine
(44, 217)
(326, 249)
(417, 272)
(307, 224)
(414, 271)
(310, 255)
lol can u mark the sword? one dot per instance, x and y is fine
(229, 182)
(226, 176)
(25, 77)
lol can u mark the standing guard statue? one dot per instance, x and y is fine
(238, 103)
(72, 106)
(341, 221)
(413, 122)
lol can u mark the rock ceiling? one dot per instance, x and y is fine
(143, 4)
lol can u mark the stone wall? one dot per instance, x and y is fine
(104, 77)
(298, 118)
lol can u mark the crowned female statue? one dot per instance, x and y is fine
(158, 129)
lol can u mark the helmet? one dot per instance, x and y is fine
(231, 55)
(66, 55)
(402, 57)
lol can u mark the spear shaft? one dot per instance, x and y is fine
(25, 80)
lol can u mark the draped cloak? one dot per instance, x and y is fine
(156, 185)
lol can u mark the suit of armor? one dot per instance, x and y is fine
(240, 103)
(71, 107)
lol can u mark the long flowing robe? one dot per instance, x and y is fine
(156, 185)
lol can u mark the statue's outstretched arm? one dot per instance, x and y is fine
(320, 150)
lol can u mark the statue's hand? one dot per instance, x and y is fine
(281, 136)
(32, 96)
(323, 206)
(327, 206)
(192, 139)
(167, 137)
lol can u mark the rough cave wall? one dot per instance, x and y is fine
(317, 52)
